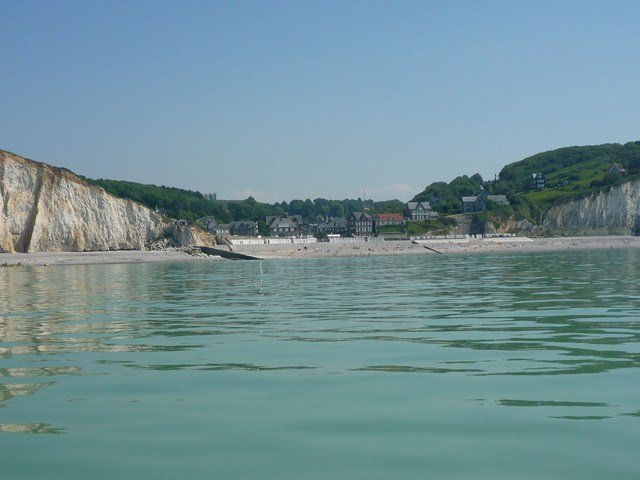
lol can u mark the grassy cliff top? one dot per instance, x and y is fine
(571, 172)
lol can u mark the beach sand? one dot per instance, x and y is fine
(89, 258)
(435, 247)
(328, 250)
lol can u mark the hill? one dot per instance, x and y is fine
(191, 205)
(570, 173)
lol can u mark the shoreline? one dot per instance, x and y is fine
(44, 259)
(438, 246)
(331, 250)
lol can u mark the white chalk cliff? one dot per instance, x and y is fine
(46, 208)
(612, 212)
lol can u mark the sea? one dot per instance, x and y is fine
(481, 366)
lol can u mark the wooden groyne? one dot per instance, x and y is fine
(227, 253)
(428, 248)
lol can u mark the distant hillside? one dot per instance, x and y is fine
(183, 204)
(571, 173)
(445, 197)
(191, 205)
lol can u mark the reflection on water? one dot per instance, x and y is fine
(531, 315)
(559, 332)
(12, 390)
(408, 369)
(209, 366)
(549, 403)
(37, 371)
(29, 428)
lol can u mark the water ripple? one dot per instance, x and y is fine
(504, 321)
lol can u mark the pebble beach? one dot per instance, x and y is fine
(328, 250)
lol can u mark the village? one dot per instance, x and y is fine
(368, 225)
(356, 225)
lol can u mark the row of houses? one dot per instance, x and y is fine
(242, 228)
(364, 223)
(361, 224)
(282, 226)
(356, 224)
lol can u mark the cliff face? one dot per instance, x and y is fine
(616, 212)
(45, 208)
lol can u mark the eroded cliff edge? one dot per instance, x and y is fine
(50, 209)
(612, 212)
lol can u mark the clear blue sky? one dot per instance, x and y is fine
(301, 99)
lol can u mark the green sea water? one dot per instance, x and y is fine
(510, 366)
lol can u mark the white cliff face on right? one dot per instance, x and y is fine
(612, 212)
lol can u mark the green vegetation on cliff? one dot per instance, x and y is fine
(191, 205)
(445, 198)
(438, 226)
(571, 169)
(570, 173)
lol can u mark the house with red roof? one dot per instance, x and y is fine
(389, 219)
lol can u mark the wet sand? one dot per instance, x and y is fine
(328, 250)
